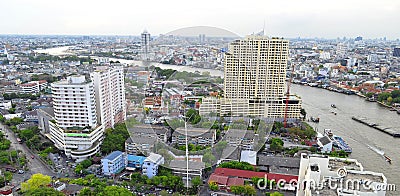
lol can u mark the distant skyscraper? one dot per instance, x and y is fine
(202, 38)
(359, 38)
(145, 43)
(396, 52)
(255, 73)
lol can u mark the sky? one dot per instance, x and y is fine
(283, 18)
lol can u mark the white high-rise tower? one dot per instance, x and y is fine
(75, 128)
(110, 95)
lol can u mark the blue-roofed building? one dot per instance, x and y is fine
(134, 162)
(113, 163)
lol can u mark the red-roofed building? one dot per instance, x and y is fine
(220, 180)
(235, 182)
(224, 182)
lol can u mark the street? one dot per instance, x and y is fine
(34, 165)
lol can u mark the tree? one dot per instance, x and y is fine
(238, 190)
(7, 177)
(213, 186)
(26, 134)
(115, 190)
(276, 144)
(35, 182)
(12, 110)
(249, 190)
(384, 96)
(86, 192)
(115, 139)
(196, 182)
(44, 191)
(389, 100)
(237, 165)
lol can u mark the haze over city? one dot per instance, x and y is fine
(308, 19)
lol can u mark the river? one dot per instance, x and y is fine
(64, 51)
(368, 143)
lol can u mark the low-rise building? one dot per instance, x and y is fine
(151, 164)
(134, 162)
(113, 163)
(240, 138)
(196, 136)
(179, 168)
(280, 165)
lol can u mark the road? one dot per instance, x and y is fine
(35, 165)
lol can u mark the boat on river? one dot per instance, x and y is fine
(333, 105)
(316, 120)
(388, 159)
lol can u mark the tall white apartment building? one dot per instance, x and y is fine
(75, 128)
(254, 80)
(110, 95)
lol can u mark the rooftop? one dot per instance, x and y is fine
(289, 162)
(113, 155)
(177, 164)
(153, 157)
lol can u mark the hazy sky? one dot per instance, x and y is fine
(284, 18)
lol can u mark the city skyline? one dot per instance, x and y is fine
(290, 19)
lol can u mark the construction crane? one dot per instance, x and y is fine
(288, 96)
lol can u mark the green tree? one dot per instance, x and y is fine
(384, 96)
(36, 181)
(395, 93)
(44, 191)
(238, 190)
(6, 177)
(86, 192)
(389, 100)
(237, 165)
(276, 144)
(115, 191)
(115, 139)
(12, 110)
(196, 182)
(213, 186)
(249, 190)
(369, 94)
(26, 134)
